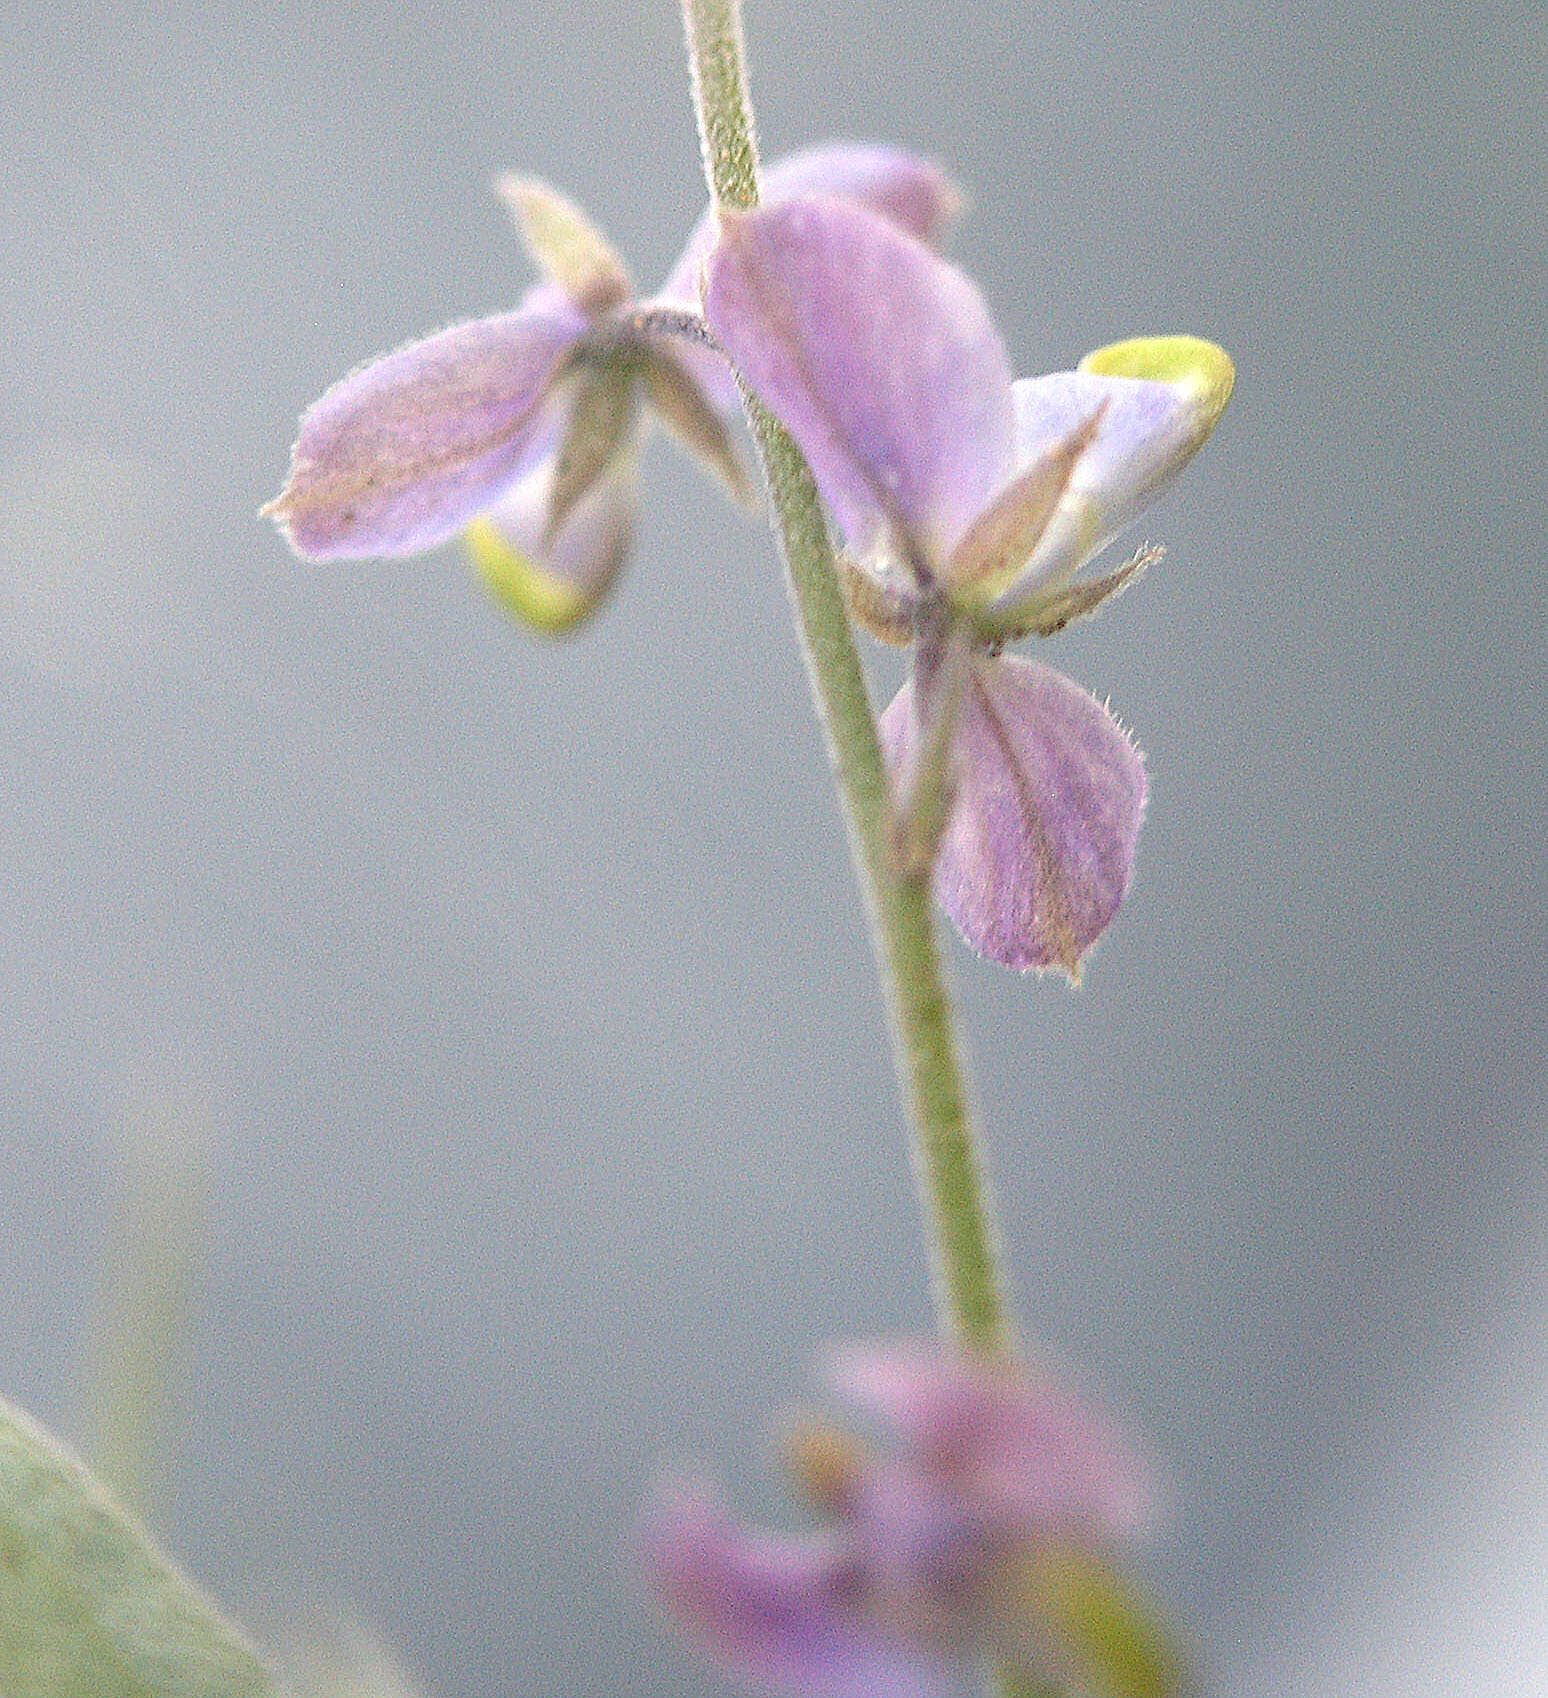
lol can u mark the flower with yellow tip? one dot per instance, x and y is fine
(967, 506)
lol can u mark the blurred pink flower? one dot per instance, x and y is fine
(988, 1530)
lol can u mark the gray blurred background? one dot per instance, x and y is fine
(523, 987)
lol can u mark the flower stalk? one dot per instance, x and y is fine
(968, 1281)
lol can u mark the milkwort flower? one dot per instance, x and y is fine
(988, 1530)
(966, 505)
(523, 431)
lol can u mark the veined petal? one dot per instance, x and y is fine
(1036, 858)
(1154, 402)
(1021, 1448)
(555, 585)
(913, 192)
(570, 251)
(401, 454)
(787, 1614)
(878, 357)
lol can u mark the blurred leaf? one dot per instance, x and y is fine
(1011, 1682)
(338, 1659)
(88, 1607)
(1112, 1630)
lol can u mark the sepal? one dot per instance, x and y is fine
(883, 611)
(570, 251)
(676, 393)
(924, 781)
(602, 422)
(991, 554)
(1048, 614)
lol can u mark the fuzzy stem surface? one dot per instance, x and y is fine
(965, 1259)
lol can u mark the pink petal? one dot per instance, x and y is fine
(1020, 1451)
(1036, 857)
(402, 453)
(784, 1614)
(878, 357)
(914, 193)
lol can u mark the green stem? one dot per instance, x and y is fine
(968, 1284)
(718, 67)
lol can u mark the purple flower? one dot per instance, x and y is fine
(523, 431)
(966, 505)
(987, 1531)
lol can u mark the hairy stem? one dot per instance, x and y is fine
(968, 1286)
(719, 70)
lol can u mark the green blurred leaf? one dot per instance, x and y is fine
(88, 1607)
(335, 1659)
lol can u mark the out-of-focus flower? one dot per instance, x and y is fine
(523, 430)
(967, 504)
(989, 1530)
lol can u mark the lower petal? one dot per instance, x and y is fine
(557, 587)
(1037, 855)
